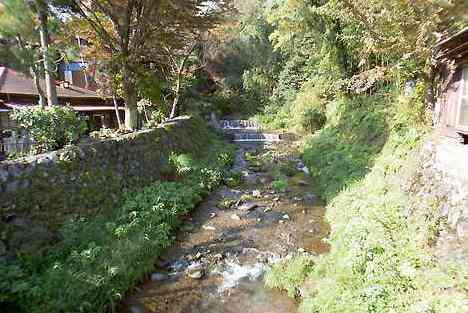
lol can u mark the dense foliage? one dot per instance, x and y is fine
(50, 128)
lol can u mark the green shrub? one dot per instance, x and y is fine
(235, 179)
(312, 119)
(309, 106)
(156, 116)
(51, 128)
(280, 184)
(288, 168)
(102, 258)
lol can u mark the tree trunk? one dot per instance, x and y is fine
(180, 73)
(51, 90)
(34, 71)
(116, 107)
(129, 89)
(176, 99)
(35, 74)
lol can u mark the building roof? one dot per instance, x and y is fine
(454, 47)
(14, 82)
(6, 107)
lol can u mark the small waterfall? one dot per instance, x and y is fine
(256, 137)
(239, 124)
(247, 131)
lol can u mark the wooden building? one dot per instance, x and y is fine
(451, 113)
(17, 91)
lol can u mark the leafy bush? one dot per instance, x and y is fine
(308, 108)
(51, 128)
(156, 117)
(288, 168)
(101, 258)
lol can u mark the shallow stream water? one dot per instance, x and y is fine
(221, 253)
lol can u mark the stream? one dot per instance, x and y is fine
(223, 248)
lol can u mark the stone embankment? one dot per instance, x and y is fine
(38, 193)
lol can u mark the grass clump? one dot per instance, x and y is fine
(289, 275)
(377, 263)
(381, 230)
(280, 184)
(235, 179)
(226, 204)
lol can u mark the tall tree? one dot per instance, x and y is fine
(135, 33)
(17, 24)
(42, 10)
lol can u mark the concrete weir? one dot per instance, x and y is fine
(247, 131)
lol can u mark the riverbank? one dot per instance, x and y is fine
(268, 212)
(386, 220)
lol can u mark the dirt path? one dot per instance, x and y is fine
(221, 252)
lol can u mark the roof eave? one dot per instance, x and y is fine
(451, 38)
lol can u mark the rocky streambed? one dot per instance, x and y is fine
(220, 255)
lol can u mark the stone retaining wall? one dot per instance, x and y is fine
(444, 185)
(88, 178)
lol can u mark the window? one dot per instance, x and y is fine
(463, 101)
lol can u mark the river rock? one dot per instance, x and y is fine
(188, 228)
(159, 276)
(195, 271)
(179, 265)
(208, 227)
(137, 308)
(218, 256)
(310, 198)
(256, 193)
(235, 217)
(247, 207)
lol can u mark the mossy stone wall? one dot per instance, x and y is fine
(88, 178)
